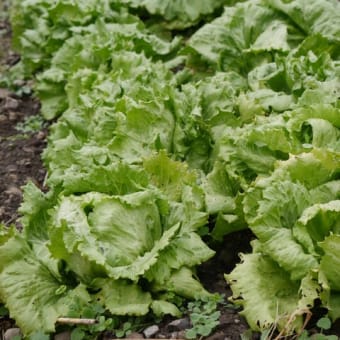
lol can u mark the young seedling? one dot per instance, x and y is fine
(204, 316)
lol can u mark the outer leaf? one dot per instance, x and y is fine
(219, 190)
(6, 233)
(243, 28)
(265, 291)
(183, 283)
(122, 297)
(34, 294)
(160, 307)
(313, 17)
(187, 249)
(330, 260)
(334, 309)
(179, 13)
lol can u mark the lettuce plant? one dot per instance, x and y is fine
(126, 249)
(170, 115)
(295, 219)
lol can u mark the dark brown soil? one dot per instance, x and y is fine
(19, 156)
(19, 152)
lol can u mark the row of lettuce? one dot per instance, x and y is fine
(171, 116)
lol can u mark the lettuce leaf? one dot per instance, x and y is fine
(90, 49)
(34, 292)
(295, 220)
(317, 17)
(127, 245)
(265, 291)
(244, 36)
(178, 14)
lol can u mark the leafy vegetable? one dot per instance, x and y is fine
(106, 243)
(291, 255)
(178, 14)
(171, 114)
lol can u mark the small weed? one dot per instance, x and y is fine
(134, 324)
(125, 330)
(204, 316)
(31, 124)
(106, 322)
(23, 91)
(324, 324)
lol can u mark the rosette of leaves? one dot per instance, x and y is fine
(295, 215)
(128, 248)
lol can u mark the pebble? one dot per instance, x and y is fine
(13, 177)
(19, 82)
(28, 149)
(4, 93)
(178, 325)
(13, 191)
(150, 331)
(41, 135)
(11, 168)
(11, 333)
(11, 104)
(3, 118)
(12, 116)
(178, 335)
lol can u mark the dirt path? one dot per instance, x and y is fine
(19, 150)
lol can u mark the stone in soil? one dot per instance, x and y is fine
(178, 325)
(11, 333)
(151, 331)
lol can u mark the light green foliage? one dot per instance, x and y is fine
(178, 14)
(324, 324)
(106, 242)
(204, 316)
(31, 124)
(194, 113)
(295, 253)
(124, 331)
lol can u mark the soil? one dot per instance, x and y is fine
(19, 152)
